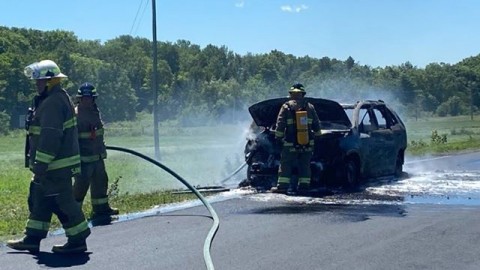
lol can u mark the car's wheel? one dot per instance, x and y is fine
(247, 182)
(249, 172)
(265, 183)
(399, 166)
(352, 174)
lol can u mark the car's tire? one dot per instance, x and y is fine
(249, 173)
(399, 165)
(244, 183)
(266, 183)
(352, 174)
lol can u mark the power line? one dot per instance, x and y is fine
(141, 17)
(136, 16)
(135, 19)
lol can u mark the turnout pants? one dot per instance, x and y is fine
(53, 195)
(94, 176)
(292, 158)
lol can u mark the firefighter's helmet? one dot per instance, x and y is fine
(297, 88)
(87, 90)
(45, 69)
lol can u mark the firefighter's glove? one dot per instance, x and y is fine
(29, 118)
(39, 169)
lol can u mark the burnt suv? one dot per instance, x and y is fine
(359, 141)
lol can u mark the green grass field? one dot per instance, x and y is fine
(201, 155)
(462, 126)
(461, 133)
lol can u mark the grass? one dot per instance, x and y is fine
(201, 155)
(461, 134)
(459, 126)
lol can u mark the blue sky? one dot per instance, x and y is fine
(373, 32)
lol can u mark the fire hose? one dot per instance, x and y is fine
(216, 222)
(233, 173)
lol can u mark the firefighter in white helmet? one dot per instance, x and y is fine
(53, 158)
(296, 128)
(92, 153)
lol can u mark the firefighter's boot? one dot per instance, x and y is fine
(70, 247)
(105, 213)
(113, 211)
(280, 189)
(303, 188)
(28, 243)
(291, 191)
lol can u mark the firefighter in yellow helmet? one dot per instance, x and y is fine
(92, 152)
(296, 128)
(53, 158)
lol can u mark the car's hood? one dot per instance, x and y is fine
(265, 113)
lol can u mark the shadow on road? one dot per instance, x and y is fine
(348, 212)
(59, 260)
(353, 206)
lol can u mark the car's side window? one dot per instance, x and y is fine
(381, 119)
(367, 123)
(392, 119)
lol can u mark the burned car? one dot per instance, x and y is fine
(358, 141)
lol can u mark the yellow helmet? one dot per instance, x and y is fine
(45, 69)
(297, 88)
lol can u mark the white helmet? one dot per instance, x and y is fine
(45, 69)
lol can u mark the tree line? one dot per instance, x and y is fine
(213, 82)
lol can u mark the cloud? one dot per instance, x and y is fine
(240, 4)
(296, 9)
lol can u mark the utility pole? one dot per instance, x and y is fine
(154, 83)
(471, 102)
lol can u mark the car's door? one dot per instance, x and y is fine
(368, 143)
(384, 141)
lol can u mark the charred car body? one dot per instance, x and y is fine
(359, 141)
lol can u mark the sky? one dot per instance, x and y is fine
(376, 33)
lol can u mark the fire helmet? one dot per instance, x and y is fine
(297, 88)
(45, 69)
(87, 90)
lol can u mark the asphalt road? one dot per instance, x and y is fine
(271, 231)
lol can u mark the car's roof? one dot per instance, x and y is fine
(264, 113)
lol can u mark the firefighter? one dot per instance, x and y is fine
(53, 158)
(296, 128)
(93, 153)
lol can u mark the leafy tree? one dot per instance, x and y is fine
(4, 123)
(324, 65)
(430, 103)
(118, 99)
(216, 82)
(407, 89)
(134, 56)
(165, 79)
(15, 89)
(453, 106)
(85, 69)
(255, 90)
(168, 52)
(349, 63)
